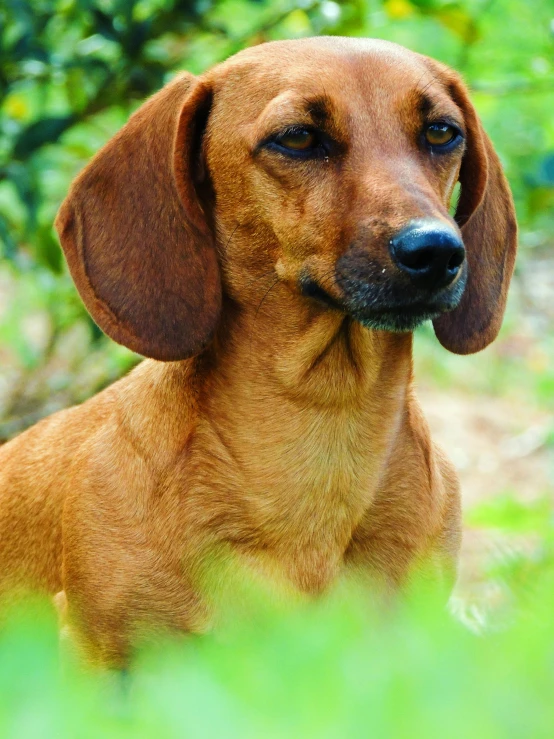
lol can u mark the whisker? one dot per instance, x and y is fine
(232, 234)
(264, 297)
(274, 283)
(428, 85)
(327, 276)
(259, 277)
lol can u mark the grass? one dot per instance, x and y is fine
(336, 667)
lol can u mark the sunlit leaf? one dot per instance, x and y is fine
(397, 9)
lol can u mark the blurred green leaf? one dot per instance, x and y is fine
(546, 170)
(9, 246)
(45, 131)
(332, 668)
(48, 249)
(512, 515)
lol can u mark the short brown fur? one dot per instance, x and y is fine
(275, 427)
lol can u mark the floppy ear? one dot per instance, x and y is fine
(486, 216)
(134, 233)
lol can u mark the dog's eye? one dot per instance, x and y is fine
(441, 135)
(297, 139)
(300, 142)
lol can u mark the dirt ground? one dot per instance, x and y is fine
(496, 446)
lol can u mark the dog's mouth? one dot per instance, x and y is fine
(385, 306)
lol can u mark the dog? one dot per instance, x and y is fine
(268, 235)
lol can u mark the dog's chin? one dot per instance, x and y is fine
(385, 310)
(400, 308)
(398, 319)
(403, 317)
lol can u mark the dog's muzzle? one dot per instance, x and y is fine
(423, 276)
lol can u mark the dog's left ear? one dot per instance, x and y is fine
(136, 234)
(486, 216)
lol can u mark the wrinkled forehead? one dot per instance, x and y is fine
(323, 73)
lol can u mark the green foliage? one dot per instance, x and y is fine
(336, 667)
(72, 70)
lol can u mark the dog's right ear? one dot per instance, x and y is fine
(487, 219)
(135, 235)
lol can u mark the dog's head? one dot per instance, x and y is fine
(329, 163)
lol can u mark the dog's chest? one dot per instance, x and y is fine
(290, 507)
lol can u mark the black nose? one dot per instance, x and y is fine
(430, 252)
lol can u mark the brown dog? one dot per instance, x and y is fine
(271, 233)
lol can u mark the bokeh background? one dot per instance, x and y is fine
(71, 72)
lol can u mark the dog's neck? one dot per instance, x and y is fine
(297, 420)
(316, 358)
